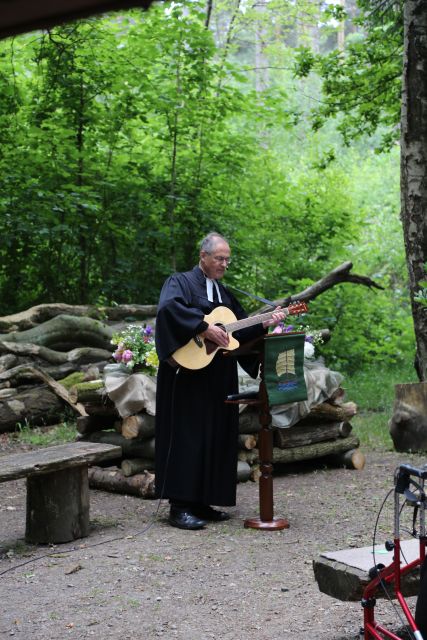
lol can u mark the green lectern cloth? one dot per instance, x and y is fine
(283, 368)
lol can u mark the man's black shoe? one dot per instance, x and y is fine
(211, 515)
(184, 519)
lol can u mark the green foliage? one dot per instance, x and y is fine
(43, 437)
(362, 83)
(126, 138)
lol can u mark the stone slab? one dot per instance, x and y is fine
(344, 574)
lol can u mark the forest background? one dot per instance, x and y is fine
(126, 137)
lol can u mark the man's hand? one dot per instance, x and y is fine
(278, 316)
(217, 335)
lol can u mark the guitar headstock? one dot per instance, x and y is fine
(297, 308)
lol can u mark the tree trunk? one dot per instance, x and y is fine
(352, 459)
(33, 373)
(8, 361)
(414, 165)
(316, 450)
(8, 393)
(321, 413)
(249, 421)
(130, 448)
(64, 333)
(47, 519)
(81, 355)
(247, 441)
(243, 471)
(38, 406)
(43, 312)
(113, 480)
(91, 391)
(139, 426)
(106, 408)
(308, 434)
(408, 425)
(132, 466)
(90, 424)
(248, 456)
(327, 412)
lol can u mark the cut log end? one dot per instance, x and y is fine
(352, 459)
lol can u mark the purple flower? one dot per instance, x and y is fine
(309, 339)
(148, 330)
(117, 355)
(289, 328)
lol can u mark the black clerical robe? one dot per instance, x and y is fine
(196, 432)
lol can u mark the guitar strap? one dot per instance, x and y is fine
(252, 295)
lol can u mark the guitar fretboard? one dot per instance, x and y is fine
(249, 322)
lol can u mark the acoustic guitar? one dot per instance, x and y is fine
(199, 352)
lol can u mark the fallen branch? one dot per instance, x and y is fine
(338, 275)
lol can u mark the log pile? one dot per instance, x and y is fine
(135, 435)
(326, 432)
(41, 349)
(52, 358)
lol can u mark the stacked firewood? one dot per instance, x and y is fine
(51, 364)
(325, 432)
(134, 434)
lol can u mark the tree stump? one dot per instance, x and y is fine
(408, 425)
(58, 506)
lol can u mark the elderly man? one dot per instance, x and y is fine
(196, 431)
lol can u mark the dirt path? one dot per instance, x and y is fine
(223, 583)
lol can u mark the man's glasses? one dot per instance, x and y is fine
(221, 259)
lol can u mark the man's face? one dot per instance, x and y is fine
(214, 264)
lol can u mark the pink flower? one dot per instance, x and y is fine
(117, 355)
(127, 356)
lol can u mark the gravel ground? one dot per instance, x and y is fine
(136, 577)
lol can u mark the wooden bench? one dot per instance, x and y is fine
(344, 574)
(57, 488)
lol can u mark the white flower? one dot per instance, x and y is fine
(308, 350)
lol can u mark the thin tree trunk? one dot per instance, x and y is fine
(414, 165)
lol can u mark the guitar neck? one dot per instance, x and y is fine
(249, 322)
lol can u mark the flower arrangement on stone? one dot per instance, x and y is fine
(135, 347)
(312, 337)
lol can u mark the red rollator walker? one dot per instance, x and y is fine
(409, 491)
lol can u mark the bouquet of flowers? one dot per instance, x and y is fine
(312, 338)
(135, 346)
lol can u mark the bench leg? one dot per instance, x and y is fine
(57, 506)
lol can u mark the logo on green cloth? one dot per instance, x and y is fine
(284, 368)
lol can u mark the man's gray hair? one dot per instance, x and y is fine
(210, 241)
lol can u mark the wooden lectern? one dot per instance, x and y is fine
(266, 519)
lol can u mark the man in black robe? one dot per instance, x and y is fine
(196, 431)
